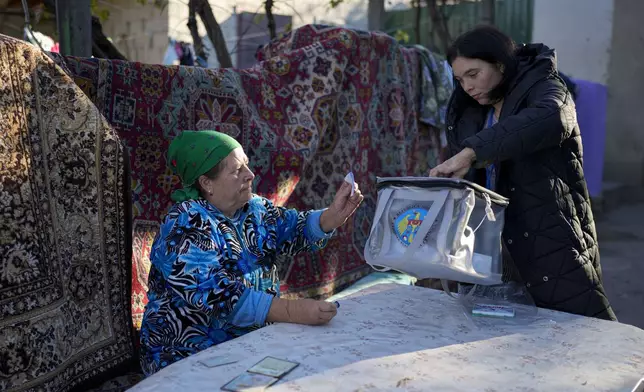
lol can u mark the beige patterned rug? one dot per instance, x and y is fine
(65, 236)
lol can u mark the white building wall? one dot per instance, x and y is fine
(581, 33)
(140, 32)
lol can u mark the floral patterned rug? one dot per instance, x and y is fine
(322, 101)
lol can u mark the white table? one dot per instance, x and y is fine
(393, 337)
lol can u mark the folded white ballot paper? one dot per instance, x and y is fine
(351, 181)
(219, 361)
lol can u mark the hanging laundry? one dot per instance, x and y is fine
(171, 57)
(39, 39)
(186, 58)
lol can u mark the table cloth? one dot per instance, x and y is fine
(395, 337)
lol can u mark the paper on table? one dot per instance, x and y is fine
(218, 361)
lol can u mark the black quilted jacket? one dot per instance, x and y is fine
(549, 228)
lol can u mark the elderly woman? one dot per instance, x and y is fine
(213, 275)
(512, 127)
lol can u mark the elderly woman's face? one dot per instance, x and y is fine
(232, 188)
(477, 77)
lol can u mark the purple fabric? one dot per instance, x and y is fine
(591, 115)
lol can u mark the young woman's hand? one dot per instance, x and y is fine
(457, 166)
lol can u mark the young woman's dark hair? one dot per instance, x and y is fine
(489, 44)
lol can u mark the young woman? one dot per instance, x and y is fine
(512, 126)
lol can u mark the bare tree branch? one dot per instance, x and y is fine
(295, 12)
(241, 36)
(439, 22)
(213, 29)
(417, 9)
(102, 47)
(270, 19)
(197, 42)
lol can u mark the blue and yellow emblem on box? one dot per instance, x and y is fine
(406, 225)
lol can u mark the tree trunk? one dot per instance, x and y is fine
(417, 21)
(375, 14)
(487, 14)
(197, 42)
(202, 8)
(270, 19)
(101, 46)
(439, 22)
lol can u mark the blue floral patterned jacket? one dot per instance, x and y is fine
(213, 278)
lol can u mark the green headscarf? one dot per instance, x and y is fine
(192, 154)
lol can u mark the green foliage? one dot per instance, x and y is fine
(401, 36)
(102, 12)
(287, 29)
(258, 18)
(160, 4)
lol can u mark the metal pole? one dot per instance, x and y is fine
(74, 22)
